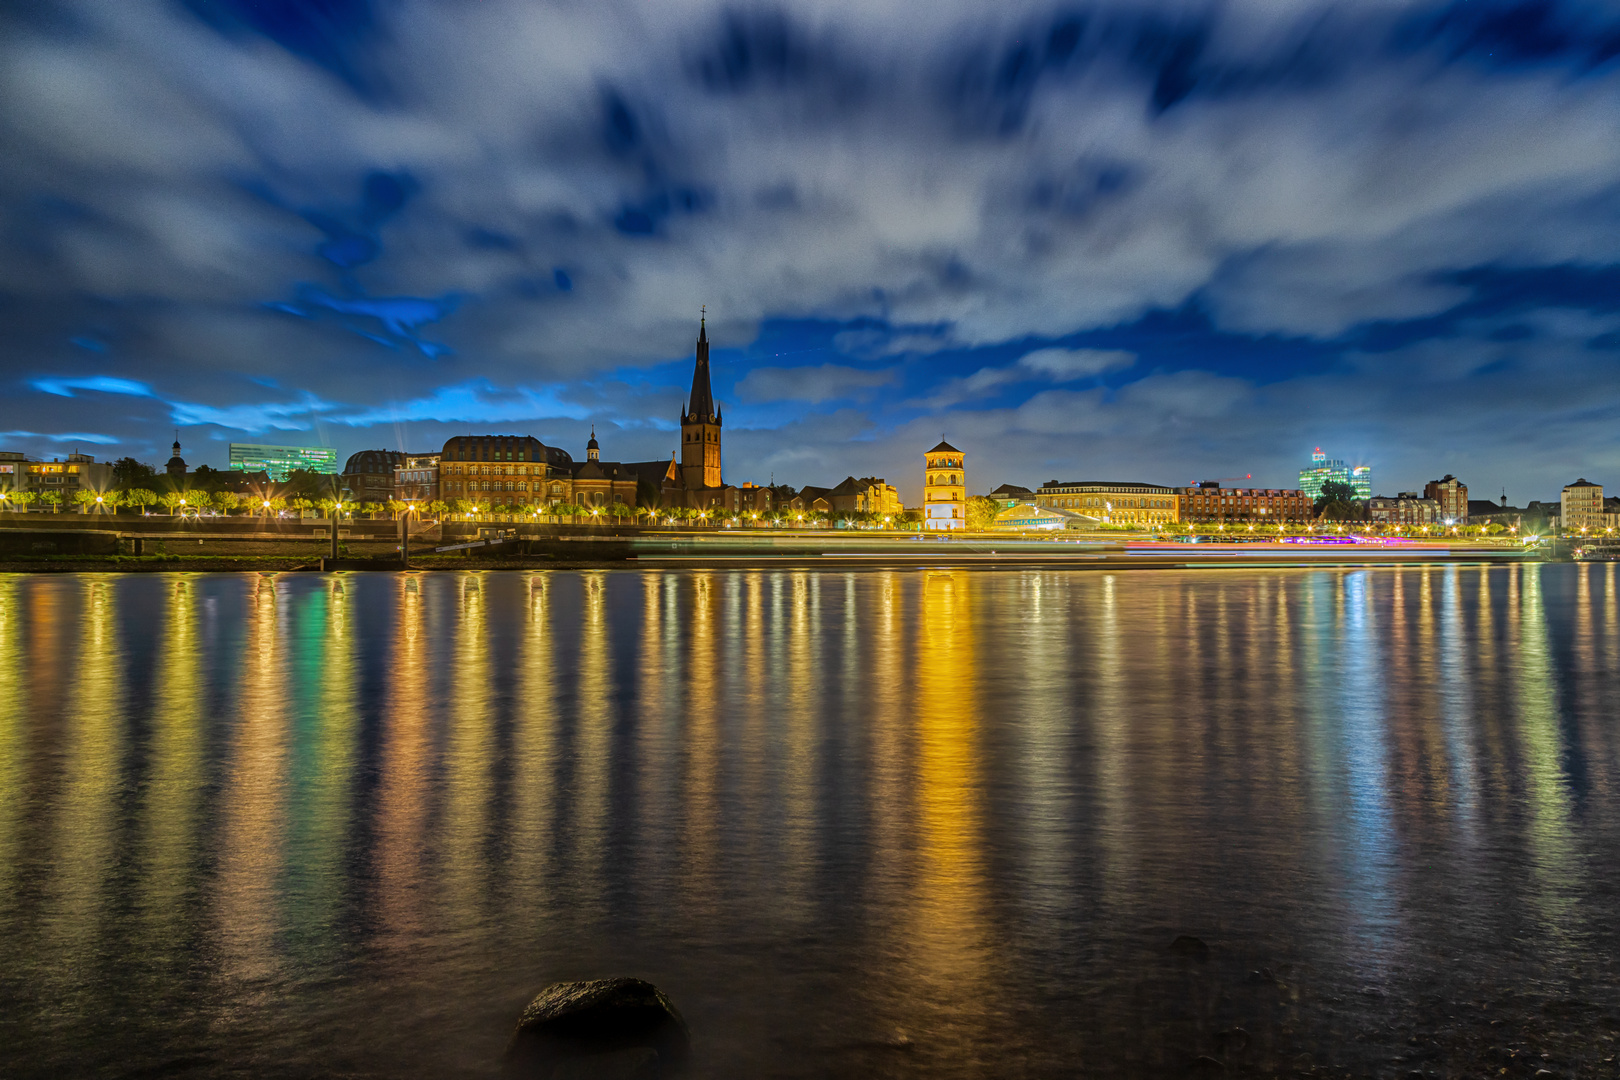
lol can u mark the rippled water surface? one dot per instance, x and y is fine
(886, 824)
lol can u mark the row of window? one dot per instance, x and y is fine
(944, 480)
(493, 470)
(1103, 502)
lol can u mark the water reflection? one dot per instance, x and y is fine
(346, 823)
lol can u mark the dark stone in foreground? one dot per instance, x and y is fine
(1187, 945)
(623, 1029)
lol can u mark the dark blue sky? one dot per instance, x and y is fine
(1158, 240)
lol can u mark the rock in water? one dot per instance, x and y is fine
(1187, 945)
(605, 1029)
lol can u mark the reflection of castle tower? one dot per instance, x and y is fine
(700, 425)
(177, 464)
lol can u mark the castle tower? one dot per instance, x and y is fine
(700, 425)
(944, 489)
(593, 451)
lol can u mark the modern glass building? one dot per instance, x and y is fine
(1324, 470)
(278, 461)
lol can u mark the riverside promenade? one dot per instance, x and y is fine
(58, 542)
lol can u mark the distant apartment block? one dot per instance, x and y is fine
(1581, 506)
(1452, 495)
(1408, 508)
(1209, 503)
(278, 461)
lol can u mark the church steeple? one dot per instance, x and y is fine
(700, 423)
(593, 451)
(700, 405)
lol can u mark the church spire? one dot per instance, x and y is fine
(701, 403)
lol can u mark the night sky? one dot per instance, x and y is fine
(1150, 240)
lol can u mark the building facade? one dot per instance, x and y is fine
(278, 461)
(1027, 517)
(944, 489)
(1581, 506)
(416, 479)
(369, 476)
(1324, 470)
(1113, 502)
(500, 470)
(1209, 503)
(1406, 508)
(65, 477)
(1452, 496)
(868, 495)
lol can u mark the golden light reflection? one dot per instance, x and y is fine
(252, 831)
(469, 757)
(948, 940)
(534, 747)
(173, 797)
(16, 698)
(84, 841)
(404, 775)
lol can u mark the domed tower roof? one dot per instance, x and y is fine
(592, 445)
(374, 461)
(176, 465)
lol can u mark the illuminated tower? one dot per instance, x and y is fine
(700, 425)
(944, 489)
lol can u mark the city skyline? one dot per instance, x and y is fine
(1163, 241)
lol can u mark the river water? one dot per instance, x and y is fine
(920, 823)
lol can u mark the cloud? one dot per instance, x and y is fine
(814, 385)
(386, 204)
(1042, 365)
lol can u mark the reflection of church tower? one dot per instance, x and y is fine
(177, 464)
(700, 425)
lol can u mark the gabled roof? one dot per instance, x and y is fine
(1012, 489)
(944, 448)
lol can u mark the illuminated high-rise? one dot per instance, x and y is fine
(278, 461)
(1324, 470)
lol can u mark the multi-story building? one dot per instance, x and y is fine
(1209, 503)
(1407, 508)
(944, 489)
(1324, 470)
(65, 477)
(13, 470)
(503, 470)
(416, 479)
(1581, 506)
(1452, 495)
(1113, 502)
(278, 461)
(369, 475)
(870, 495)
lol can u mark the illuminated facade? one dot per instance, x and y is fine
(1406, 508)
(1581, 506)
(1114, 502)
(278, 461)
(65, 477)
(1324, 470)
(417, 478)
(499, 470)
(1452, 496)
(1209, 503)
(701, 422)
(944, 489)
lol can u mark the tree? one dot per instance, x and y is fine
(17, 500)
(620, 511)
(173, 500)
(129, 474)
(52, 499)
(307, 484)
(140, 497)
(208, 479)
(86, 499)
(224, 501)
(438, 507)
(396, 507)
(1337, 502)
(981, 512)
